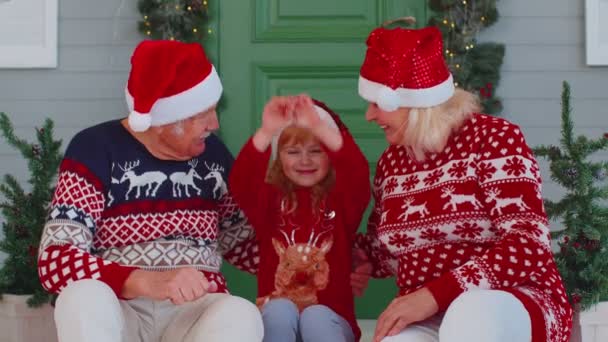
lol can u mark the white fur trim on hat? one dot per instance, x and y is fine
(139, 122)
(413, 98)
(325, 117)
(182, 105)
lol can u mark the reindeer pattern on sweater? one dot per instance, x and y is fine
(117, 208)
(470, 217)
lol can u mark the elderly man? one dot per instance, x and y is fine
(141, 216)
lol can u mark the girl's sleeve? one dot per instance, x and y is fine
(248, 186)
(384, 264)
(352, 180)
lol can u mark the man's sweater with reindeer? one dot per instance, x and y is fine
(117, 208)
(470, 217)
(305, 256)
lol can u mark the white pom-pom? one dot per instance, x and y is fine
(388, 99)
(139, 122)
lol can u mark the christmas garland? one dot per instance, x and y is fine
(475, 66)
(182, 20)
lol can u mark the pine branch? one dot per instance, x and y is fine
(26, 213)
(583, 259)
(567, 125)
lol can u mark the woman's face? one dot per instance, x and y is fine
(392, 123)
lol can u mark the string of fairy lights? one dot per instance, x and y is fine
(463, 21)
(475, 66)
(182, 20)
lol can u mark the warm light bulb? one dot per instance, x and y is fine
(194, 30)
(145, 17)
(148, 33)
(189, 8)
(445, 21)
(457, 66)
(209, 31)
(172, 38)
(464, 2)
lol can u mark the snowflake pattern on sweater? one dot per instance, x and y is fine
(117, 208)
(470, 217)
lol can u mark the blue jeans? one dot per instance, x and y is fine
(316, 323)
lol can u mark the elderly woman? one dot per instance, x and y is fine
(458, 215)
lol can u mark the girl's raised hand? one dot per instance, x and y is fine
(277, 114)
(305, 113)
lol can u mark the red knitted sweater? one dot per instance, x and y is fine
(470, 217)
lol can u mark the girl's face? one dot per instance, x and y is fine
(304, 163)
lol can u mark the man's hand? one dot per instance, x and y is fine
(405, 310)
(180, 285)
(362, 272)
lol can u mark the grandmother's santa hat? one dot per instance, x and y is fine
(405, 68)
(169, 81)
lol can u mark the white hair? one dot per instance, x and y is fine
(178, 127)
(428, 129)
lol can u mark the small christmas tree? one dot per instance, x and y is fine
(583, 255)
(25, 213)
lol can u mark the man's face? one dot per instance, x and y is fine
(187, 138)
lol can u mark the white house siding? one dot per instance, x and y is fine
(544, 45)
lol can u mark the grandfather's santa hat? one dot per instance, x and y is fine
(169, 81)
(327, 116)
(405, 68)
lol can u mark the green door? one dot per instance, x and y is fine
(281, 47)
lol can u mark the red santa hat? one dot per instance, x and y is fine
(327, 116)
(169, 81)
(405, 68)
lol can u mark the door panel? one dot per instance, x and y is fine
(281, 47)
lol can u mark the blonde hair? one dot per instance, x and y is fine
(290, 136)
(428, 129)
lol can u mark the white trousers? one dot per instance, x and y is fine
(482, 315)
(89, 311)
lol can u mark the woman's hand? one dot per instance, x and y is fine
(405, 310)
(362, 272)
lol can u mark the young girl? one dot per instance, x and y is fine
(305, 209)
